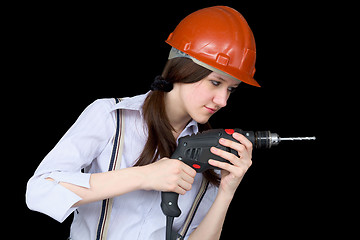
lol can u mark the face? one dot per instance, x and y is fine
(204, 98)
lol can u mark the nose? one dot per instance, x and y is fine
(220, 98)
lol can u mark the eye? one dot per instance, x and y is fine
(232, 89)
(215, 83)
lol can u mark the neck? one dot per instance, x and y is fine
(176, 113)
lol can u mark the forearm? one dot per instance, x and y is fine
(211, 226)
(163, 175)
(107, 185)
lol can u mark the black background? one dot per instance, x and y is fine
(65, 56)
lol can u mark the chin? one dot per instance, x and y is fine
(201, 119)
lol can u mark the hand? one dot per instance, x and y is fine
(168, 175)
(231, 175)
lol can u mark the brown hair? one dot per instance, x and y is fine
(161, 142)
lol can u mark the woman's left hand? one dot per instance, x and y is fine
(232, 174)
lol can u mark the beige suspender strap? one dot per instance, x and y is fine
(194, 207)
(115, 162)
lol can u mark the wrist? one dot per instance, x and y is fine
(133, 176)
(224, 196)
(144, 182)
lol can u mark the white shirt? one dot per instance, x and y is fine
(87, 145)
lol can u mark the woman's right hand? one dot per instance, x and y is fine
(168, 175)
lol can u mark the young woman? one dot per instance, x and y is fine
(213, 50)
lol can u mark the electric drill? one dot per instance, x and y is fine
(194, 150)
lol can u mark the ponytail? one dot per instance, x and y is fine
(161, 141)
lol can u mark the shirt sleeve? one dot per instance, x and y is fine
(81, 144)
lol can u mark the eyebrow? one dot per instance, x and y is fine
(221, 79)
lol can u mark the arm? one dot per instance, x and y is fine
(83, 142)
(211, 225)
(106, 185)
(58, 186)
(163, 175)
(231, 176)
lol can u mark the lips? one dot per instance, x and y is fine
(211, 110)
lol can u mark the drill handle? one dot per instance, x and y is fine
(169, 204)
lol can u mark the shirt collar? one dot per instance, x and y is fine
(131, 103)
(136, 103)
(191, 128)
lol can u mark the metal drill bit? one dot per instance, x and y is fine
(297, 138)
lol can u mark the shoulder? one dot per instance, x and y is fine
(101, 107)
(131, 103)
(105, 104)
(105, 108)
(98, 113)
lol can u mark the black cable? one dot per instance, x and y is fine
(169, 224)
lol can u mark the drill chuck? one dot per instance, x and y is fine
(267, 139)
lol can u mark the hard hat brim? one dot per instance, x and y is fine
(174, 53)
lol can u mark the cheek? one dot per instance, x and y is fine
(197, 94)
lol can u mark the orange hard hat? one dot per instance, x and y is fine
(217, 38)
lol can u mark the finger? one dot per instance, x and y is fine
(188, 170)
(231, 144)
(180, 190)
(244, 148)
(226, 155)
(236, 172)
(185, 185)
(187, 178)
(180, 187)
(243, 140)
(222, 165)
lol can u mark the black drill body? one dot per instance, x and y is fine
(194, 150)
